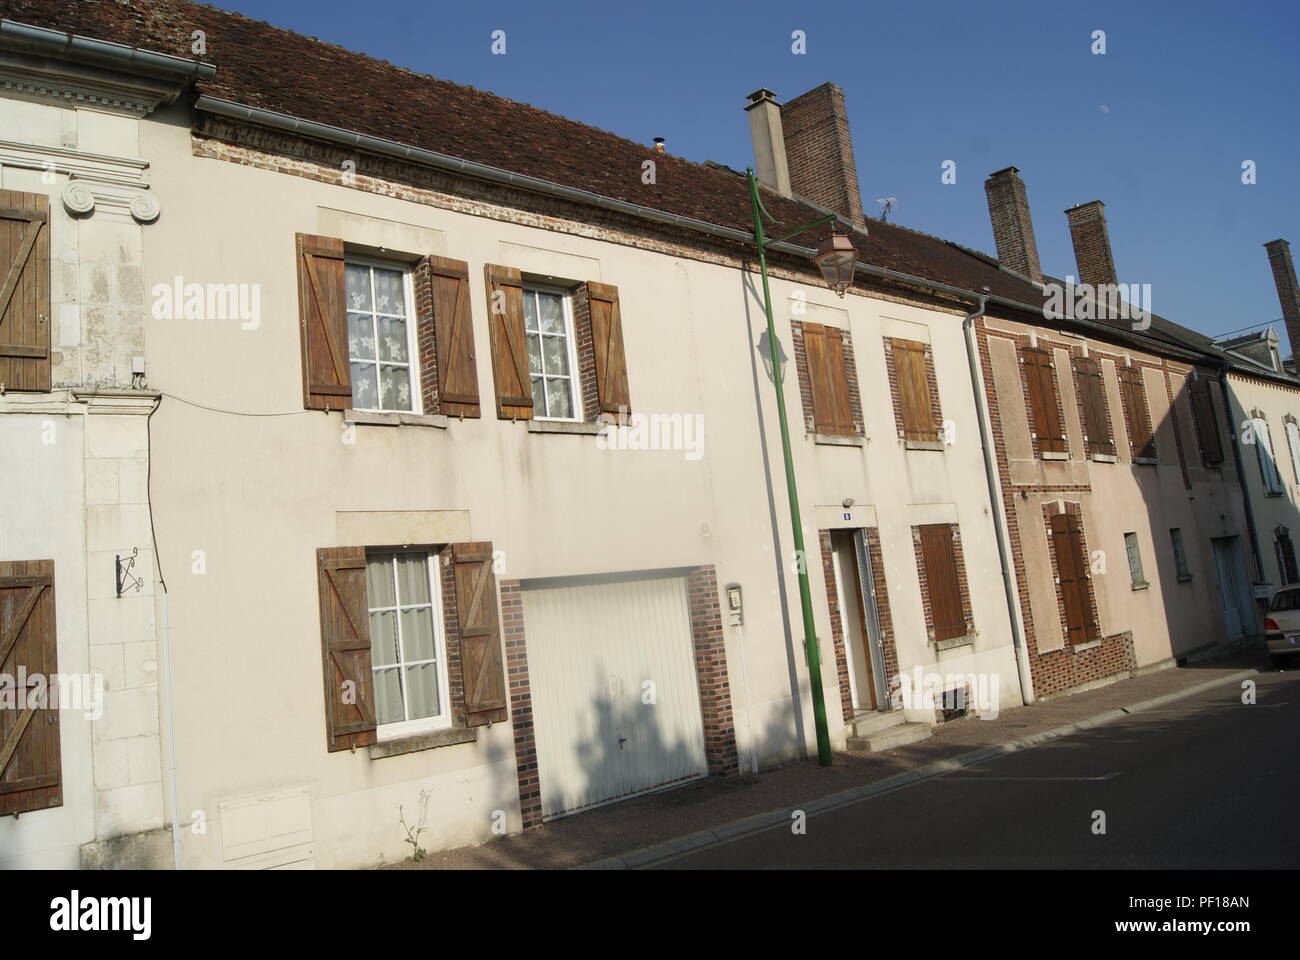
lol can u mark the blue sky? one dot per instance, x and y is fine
(1157, 128)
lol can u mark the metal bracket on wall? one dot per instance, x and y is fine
(124, 576)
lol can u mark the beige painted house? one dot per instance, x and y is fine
(459, 451)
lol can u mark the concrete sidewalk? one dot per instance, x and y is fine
(651, 828)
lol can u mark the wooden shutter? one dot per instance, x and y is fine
(481, 664)
(939, 557)
(1041, 380)
(915, 401)
(24, 291)
(1092, 398)
(454, 338)
(1136, 415)
(323, 323)
(1207, 424)
(828, 377)
(30, 772)
(505, 290)
(1074, 584)
(345, 645)
(607, 341)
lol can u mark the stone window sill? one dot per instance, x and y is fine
(832, 440)
(581, 427)
(1141, 585)
(1105, 458)
(1053, 455)
(923, 445)
(1147, 461)
(377, 419)
(423, 741)
(1090, 645)
(951, 642)
(1185, 578)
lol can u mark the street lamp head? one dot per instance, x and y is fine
(835, 257)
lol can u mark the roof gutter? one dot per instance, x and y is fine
(104, 52)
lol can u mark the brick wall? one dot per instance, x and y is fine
(711, 672)
(1091, 240)
(819, 151)
(425, 336)
(1013, 230)
(521, 703)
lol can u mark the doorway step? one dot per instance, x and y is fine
(872, 731)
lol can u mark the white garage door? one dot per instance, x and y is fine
(616, 709)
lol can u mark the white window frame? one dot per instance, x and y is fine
(1293, 444)
(1271, 476)
(443, 719)
(413, 363)
(570, 334)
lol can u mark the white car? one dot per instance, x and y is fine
(1282, 625)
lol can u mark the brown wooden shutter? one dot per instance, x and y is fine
(1136, 415)
(323, 323)
(607, 342)
(1043, 399)
(454, 336)
(828, 377)
(24, 291)
(1074, 584)
(1207, 424)
(505, 291)
(30, 771)
(1092, 397)
(939, 556)
(912, 376)
(481, 662)
(345, 644)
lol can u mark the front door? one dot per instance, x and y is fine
(862, 646)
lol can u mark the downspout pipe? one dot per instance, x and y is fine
(1023, 671)
(1241, 473)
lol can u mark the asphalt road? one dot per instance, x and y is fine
(1202, 782)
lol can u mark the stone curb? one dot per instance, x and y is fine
(680, 846)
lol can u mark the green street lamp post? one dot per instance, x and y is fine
(835, 257)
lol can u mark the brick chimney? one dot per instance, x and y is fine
(769, 141)
(819, 151)
(1288, 292)
(1092, 254)
(1013, 230)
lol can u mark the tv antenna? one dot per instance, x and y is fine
(886, 205)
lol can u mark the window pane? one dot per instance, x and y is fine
(388, 696)
(383, 638)
(412, 578)
(365, 391)
(539, 396)
(557, 393)
(417, 634)
(361, 337)
(395, 388)
(551, 308)
(358, 287)
(389, 296)
(422, 691)
(534, 353)
(379, 581)
(555, 356)
(530, 310)
(392, 339)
